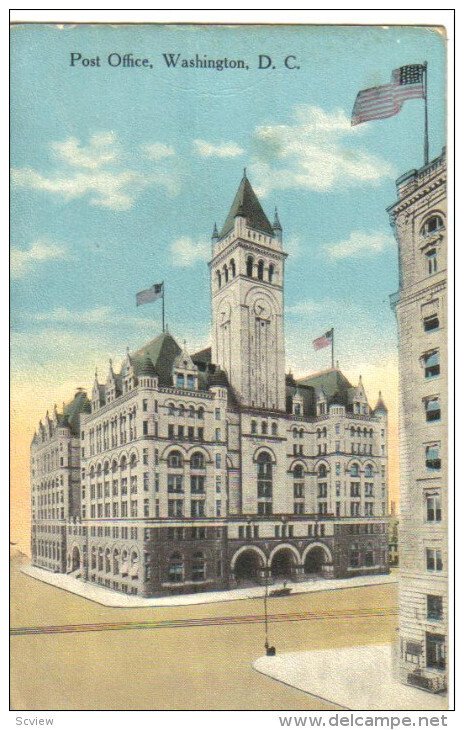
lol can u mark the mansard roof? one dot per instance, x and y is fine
(72, 410)
(331, 381)
(246, 204)
(162, 352)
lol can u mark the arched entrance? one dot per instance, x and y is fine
(247, 566)
(283, 564)
(75, 559)
(315, 559)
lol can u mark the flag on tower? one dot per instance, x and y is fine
(324, 341)
(380, 102)
(150, 295)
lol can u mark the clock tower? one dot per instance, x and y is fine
(247, 276)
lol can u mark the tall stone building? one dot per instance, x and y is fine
(55, 482)
(215, 468)
(419, 219)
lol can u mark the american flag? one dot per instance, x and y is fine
(324, 341)
(150, 295)
(381, 102)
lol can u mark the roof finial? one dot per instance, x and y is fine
(215, 233)
(244, 172)
(276, 225)
(338, 365)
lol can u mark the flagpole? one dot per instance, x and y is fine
(162, 309)
(426, 119)
(333, 337)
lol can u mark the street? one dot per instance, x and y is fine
(70, 653)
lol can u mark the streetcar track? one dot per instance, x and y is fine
(199, 622)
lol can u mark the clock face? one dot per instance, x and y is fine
(262, 309)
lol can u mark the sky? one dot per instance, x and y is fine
(119, 174)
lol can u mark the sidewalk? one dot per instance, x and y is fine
(108, 597)
(357, 678)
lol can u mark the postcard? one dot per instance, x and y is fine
(229, 368)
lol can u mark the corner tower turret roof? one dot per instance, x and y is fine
(246, 204)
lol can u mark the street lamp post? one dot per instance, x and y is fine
(270, 650)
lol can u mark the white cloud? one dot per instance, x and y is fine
(96, 171)
(102, 149)
(158, 151)
(114, 190)
(316, 152)
(23, 261)
(224, 149)
(359, 243)
(186, 252)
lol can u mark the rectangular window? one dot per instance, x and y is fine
(431, 322)
(434, 560)
(218, 461)
(433, 503)
(144, 405)
(241, 532)
(145, 456)
(218, 507)
(431, 361)
(435, 651)
(432, 409)
(170, 431)
(432, 457)
(218, 483)
(217, 414)
(218, 434)
(145, 428)
(434, 607)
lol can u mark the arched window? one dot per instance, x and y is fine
(198, 567)
(176, 568)
(191, 412)
(271, 273)
(114, 466)
(260, 269)
(226, 273)
(99, 470)
(249, 266)
(201, 412)
(181, 411)
(124, 563)
(368, 470)
(100, 559)
(354, 470)
(254, 427)
(218, 279)
(298, 472)
(274, 428)
(123, 463)
(369, 555)
(264, 477)
(232, 268)
(116, 562)
(432, 224)
(107, 560)
(106, 467)
(134, 568)
(301, 433)
(352, 431)
(133, 461)
(175, 460)
(93, 558)
(264, 427)
(324, 433)
(197, 460)
(322, 471)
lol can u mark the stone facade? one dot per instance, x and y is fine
(419, 220)
(213, 469)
